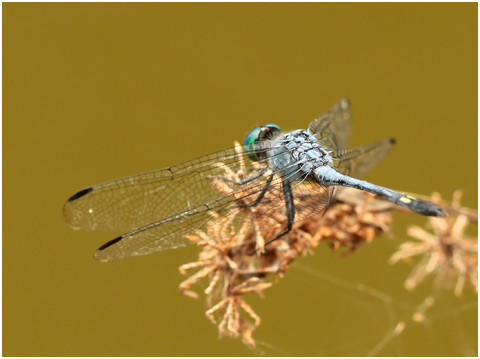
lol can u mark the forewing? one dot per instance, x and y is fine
(166, 234)
(357, 161)
(333, 127)
(131, 202)
(236, 200)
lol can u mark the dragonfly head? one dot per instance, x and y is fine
(252, 144)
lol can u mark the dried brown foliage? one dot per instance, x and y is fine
(235, 261)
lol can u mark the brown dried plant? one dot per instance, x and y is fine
(447, 253)
(235, 261)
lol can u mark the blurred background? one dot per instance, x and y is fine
(93, 92)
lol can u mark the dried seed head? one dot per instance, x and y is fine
(235, 260)
(447, 253)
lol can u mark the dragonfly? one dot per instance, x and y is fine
(158, 209)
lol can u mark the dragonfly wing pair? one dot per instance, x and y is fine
(160, 208)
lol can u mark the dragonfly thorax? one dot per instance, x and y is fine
(298, 152)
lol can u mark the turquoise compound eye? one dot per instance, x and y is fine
(249, 143)
(250, 138)
(272, 128)
(262, 133)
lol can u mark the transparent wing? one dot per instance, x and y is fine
(131, 202)
(357, 161)
(310, 198)
(170, 232)
(333, 127)
(235, 200)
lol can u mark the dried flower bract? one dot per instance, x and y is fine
(447, 253)
(235, 260)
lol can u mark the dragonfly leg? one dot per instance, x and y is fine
(258, 199)
(289, 206)
(246, 180)
(260, 196)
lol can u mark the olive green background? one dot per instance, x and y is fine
(93, 92)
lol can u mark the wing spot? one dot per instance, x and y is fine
(110, 243)
(80, 194)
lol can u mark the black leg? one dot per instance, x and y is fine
(258, 199)
(260, 196)
(289, 207)
(246, 180)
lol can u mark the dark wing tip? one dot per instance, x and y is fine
(393, 140)
(110, 243)
(80, 194)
